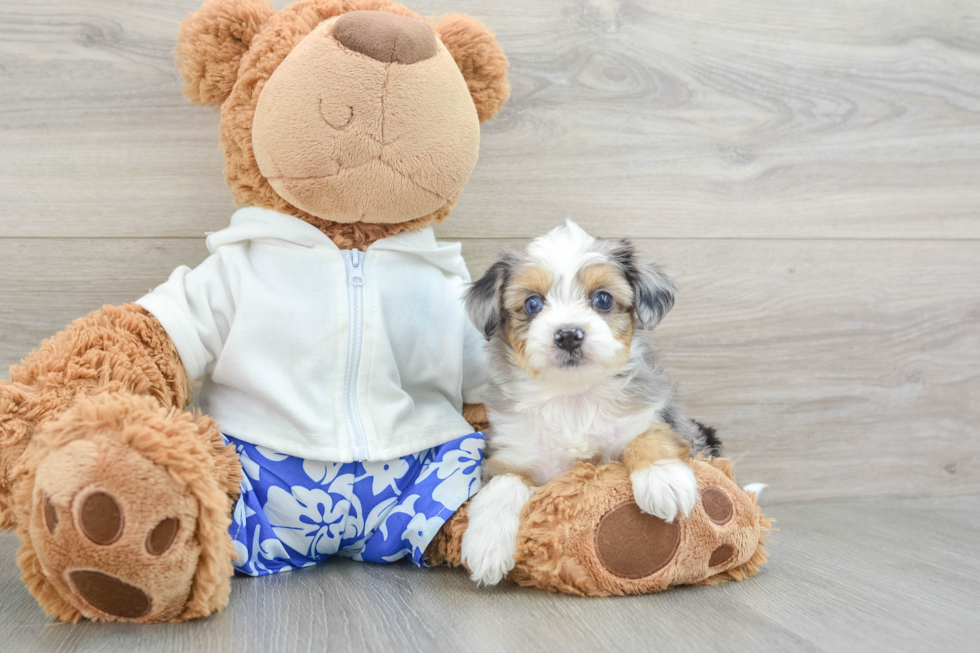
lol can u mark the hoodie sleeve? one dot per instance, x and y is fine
(196, 308)
(475, 377)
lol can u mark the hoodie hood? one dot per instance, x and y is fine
(263, 225)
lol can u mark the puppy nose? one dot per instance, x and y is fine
(569, 339)
(385, 36)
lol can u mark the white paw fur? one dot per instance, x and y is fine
(665, 488)
(490, 540)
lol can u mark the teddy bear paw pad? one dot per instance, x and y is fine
(721, 555)
(633, 544)
(110, 595)
(100, 518)
(717, 505)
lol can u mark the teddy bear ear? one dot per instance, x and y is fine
(480, 58)
(211, 44)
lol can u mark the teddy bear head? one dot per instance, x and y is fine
(357, 116)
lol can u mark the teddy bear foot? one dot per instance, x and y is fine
(584, 534)
(115, 527)
(114, 532)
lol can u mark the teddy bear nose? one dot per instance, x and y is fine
(385, 36)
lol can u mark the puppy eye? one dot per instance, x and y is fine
(602, 301)
(533, 305)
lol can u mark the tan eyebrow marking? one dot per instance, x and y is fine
(529, 280)
(607, 277)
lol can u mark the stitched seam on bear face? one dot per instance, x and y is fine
(360, 165)
(412, 181)
(384, 93)
(312, 177)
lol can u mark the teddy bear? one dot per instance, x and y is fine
(327, 336)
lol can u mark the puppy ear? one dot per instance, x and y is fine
(211, 43)
(484, 298)
(653, 291)
(480, 58)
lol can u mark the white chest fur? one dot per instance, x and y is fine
(547, 436)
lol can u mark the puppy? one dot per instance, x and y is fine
(574, 378)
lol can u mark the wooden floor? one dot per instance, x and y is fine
(810, 173)
(892, 575)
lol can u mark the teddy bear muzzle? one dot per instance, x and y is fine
(368, 119)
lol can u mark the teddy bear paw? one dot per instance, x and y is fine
(114, 533)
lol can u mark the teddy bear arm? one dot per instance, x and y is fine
(115, 349)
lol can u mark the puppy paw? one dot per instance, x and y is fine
(665, 489)
(490, 540)
(488, 560)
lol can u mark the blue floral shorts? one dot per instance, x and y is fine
(295, 513)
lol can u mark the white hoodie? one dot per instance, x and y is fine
(321, 353)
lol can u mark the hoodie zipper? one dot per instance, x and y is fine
(354, 261)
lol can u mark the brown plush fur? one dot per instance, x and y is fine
(206, 55)
(476, 415)
(480, 58)
(446, 548)
(211, 43)
(557, 549)
(119, 348)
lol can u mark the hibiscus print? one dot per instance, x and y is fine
(307, 521)
(421, 530)
(458, 471)
(385, 474)
(294, 512)
(322, 472)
